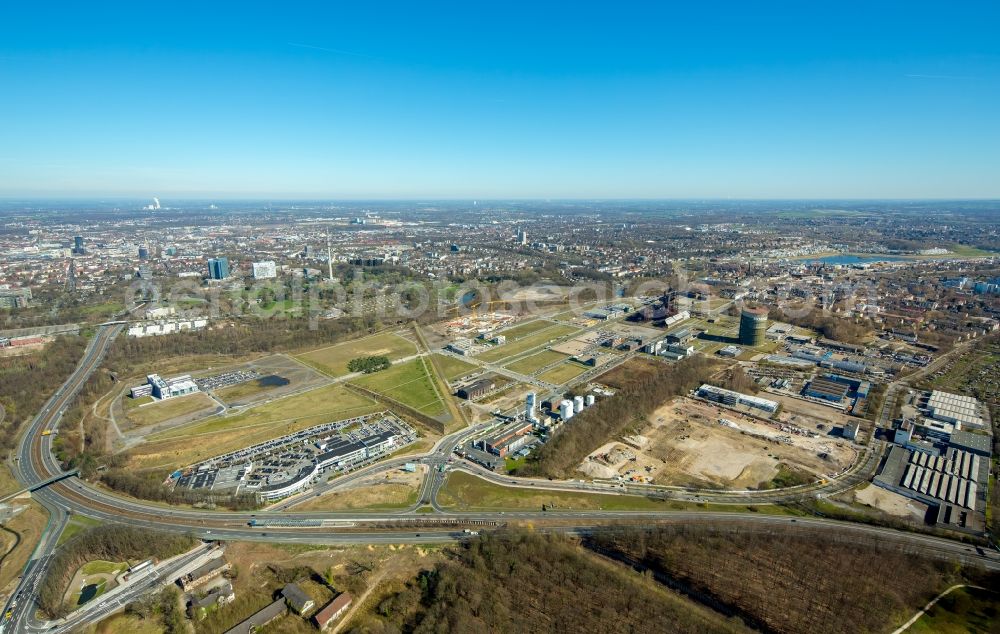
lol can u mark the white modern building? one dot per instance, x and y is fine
(161, 388)
(264, 270)
(729, 397)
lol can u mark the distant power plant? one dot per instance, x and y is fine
(753, 326)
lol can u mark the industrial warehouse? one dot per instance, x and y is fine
(933, 460)
(953, 483)
(284, 466)
(963, 411)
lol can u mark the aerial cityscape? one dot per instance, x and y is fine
(535, 326)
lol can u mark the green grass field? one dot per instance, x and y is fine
(76, 524)
(523, 330)
(964, 610)
(524, 344)
(171, 408)
(464, 491)
(409, 383)
(453, 368)
(535, 362)
(99, 567)
(187, 444)
(563, 372)
(333, 360)
(132, 403)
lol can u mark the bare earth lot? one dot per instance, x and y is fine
(685, 444)
(395, 489)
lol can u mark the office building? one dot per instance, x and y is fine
(264, 270)
(78, 248)
(143, 253)
(14, 297)
(729, 397)
(218, 268)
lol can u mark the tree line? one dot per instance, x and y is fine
(611, 417)
(109, 542)
(369, 365)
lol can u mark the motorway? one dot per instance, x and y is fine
(35, 463)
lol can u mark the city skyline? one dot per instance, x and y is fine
(777, 102)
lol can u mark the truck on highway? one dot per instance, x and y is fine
(50, 432)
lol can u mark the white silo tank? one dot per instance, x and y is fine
(589, 400)
(577, 403)
(566, 409)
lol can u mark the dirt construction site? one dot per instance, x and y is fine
(689, 442)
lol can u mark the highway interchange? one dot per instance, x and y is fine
(34, 463)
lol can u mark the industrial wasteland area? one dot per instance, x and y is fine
(489, 416)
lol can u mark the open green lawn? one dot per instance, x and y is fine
(964, 610)
(522, 330)
(132, 403)
(107, 308)
(464, 491)
(453, 368)
(320, 404)
(187, 444)
(563, 372)
(129, 624)
(524, 344)
(535, 362)
(171, 408)
(333, 360)
(98, 567)
(409, 383)
(76, 524)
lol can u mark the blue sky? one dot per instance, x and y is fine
(498, 100)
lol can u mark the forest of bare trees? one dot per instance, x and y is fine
(523, 583)
(26, 382)
(611, 417)
(799, 580)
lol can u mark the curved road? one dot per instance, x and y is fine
(35, 463)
